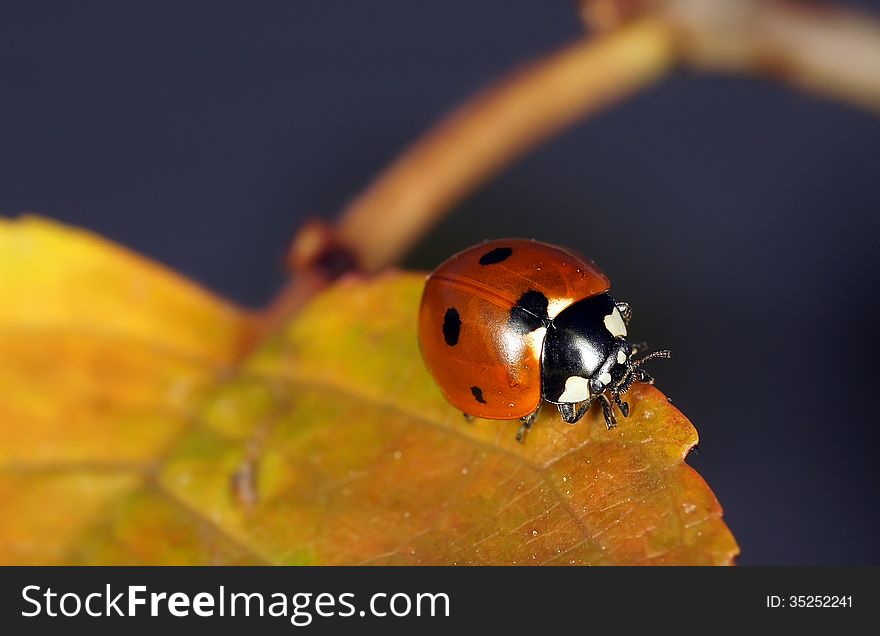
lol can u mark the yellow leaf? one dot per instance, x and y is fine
(329, 444)
(104, 359)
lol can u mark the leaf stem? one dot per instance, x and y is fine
(468, 147)
(494, 128)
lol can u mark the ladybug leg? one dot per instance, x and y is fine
(607, 411)
(571, 412)
(527, 422)
(623, 406)
(468, 417)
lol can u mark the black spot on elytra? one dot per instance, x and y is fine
(478, 394)
(530, 313)
(451, 326)
(495, 256)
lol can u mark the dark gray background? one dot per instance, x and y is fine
(739, 218)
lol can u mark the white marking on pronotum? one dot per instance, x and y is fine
(621, 357)
(605, 378)
(614, 323)
(556, 305)
(577, 389)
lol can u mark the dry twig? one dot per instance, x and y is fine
(494, 128)
(469, 146)
(835, 52)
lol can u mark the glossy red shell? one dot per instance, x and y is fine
(492, 370)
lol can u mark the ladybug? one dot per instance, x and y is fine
(507, 325)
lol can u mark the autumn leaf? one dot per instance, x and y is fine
(133, 431)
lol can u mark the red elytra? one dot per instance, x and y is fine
(469, 332)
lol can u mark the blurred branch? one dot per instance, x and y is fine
(469, 146)
(828, 50)
(825, 49)
(492, 130)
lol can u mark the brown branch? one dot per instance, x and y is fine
(830, 51)
(469, 146)
(495, 128)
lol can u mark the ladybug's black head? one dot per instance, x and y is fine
(586, 354)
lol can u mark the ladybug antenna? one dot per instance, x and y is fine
(636, 374)
(663, 353)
